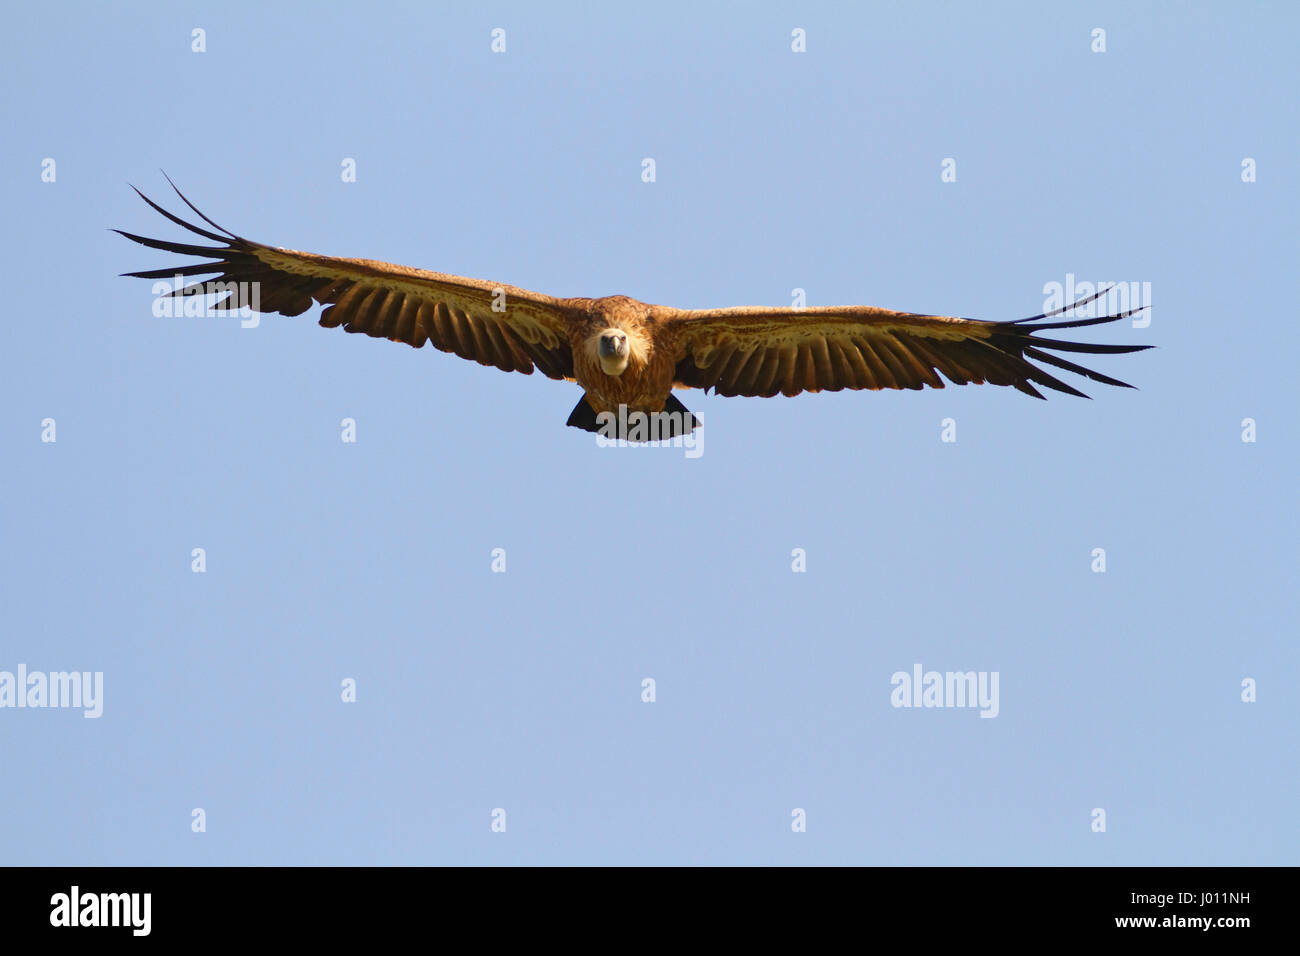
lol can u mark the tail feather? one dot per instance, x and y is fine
(675, 420)
(583, 416)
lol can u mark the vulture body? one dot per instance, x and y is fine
(629, 355)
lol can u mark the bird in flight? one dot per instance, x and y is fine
(627, 355)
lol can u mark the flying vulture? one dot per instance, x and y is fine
(628, 355)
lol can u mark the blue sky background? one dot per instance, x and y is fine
(775, 170)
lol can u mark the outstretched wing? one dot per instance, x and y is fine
(453, 313)
(763, 352)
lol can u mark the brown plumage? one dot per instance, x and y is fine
(628, 353)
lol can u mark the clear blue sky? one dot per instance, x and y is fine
(522, 690)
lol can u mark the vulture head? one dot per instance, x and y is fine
(612, 349)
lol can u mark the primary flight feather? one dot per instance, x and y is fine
(628, 355)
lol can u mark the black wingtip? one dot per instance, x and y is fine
(181, 222)
(1061, 310)
(185, 200)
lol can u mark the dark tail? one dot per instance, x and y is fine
(673, 421)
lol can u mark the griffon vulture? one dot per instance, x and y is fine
(628, 353)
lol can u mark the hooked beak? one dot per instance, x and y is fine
(612, 345)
